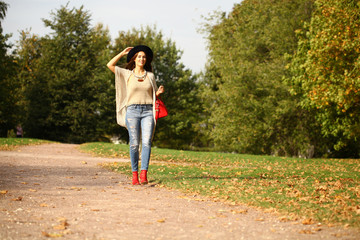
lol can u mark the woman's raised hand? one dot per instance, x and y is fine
(127, 50)
(111, 64)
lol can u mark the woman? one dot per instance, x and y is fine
(135, 103)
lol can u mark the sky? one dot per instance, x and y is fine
(178, 20)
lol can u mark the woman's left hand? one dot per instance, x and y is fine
(160, 90)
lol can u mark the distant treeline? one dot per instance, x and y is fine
(282, 78)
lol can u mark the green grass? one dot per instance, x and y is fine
(12, 143)
(323, 190)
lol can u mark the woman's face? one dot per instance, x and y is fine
(140, 59)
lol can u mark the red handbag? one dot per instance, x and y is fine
(160, 109)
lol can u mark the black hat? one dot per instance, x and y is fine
(140, 48)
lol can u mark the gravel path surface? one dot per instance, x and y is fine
(55, 191)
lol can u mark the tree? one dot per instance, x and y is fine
(71, 59)
(251, 109)
(34, 102)
(177, 130)
(327, 73)
(3, 9)
(64, 82)
(8, 84)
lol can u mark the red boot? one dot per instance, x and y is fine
(135, 180)
(143, 177)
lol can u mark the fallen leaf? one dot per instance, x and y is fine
(199, 200)
(52, 235)
(308, 221)
(357, 211)
(161, 220)
(59, 227)
(4, 191)
(17, 199)
(242, 211)
(284, 219)
(306, 232)
(317, 229)
(32, 190)
(270, 210)
(77, 188)
(43, 205)
(62, 220)
(63, 224)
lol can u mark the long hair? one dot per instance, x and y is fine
(131, 64)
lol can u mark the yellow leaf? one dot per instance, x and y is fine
(52, 235)
(284, 219)
(17, 199)
(308, 221)
(306, 232)
(59, 227)
(357, 211)
(63, 224)
(242, 211)
(161, 220)
(4, 191)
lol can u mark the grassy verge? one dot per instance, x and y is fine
(316, 190)
(7, 144)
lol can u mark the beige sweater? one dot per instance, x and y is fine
(122, 76)
(139, 92)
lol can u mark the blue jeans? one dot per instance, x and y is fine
(140, 120)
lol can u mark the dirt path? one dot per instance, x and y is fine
(53, 190)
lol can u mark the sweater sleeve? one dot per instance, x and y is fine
(119, 73)
(152, 77)
(121, 76)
